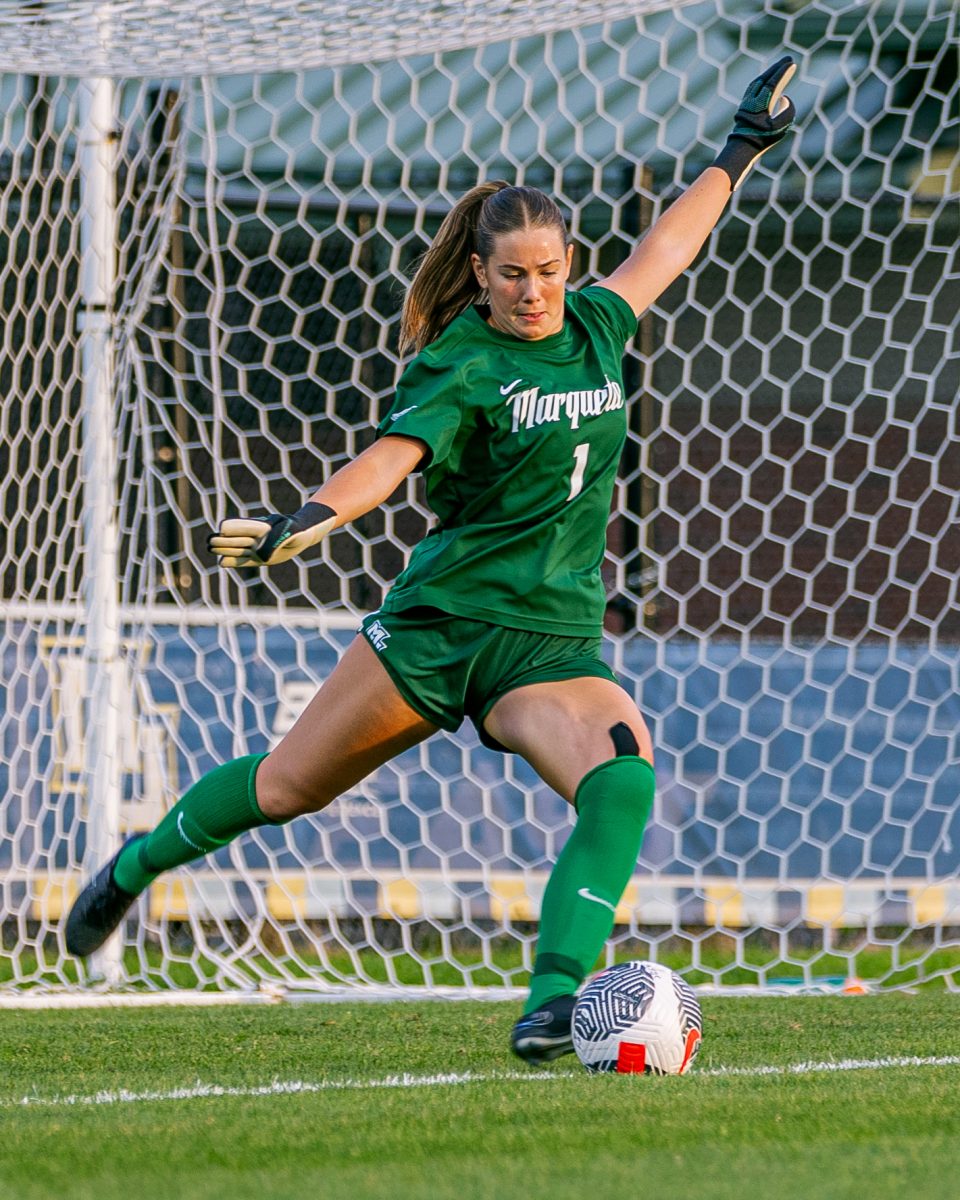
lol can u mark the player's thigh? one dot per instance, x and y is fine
(564, 728)
(356, 722)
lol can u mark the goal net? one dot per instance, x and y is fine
(201, 267)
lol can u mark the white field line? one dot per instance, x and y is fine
(299, 1087)
(842, 1064)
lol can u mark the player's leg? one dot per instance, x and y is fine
(357, 721)
(587, 740)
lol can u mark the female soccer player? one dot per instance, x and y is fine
(514, 411)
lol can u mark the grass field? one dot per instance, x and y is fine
(371, 1120)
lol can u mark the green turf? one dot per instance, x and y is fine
(880, 1134)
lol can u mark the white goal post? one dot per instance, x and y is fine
(201, 267)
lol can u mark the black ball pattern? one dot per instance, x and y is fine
(626, 1002)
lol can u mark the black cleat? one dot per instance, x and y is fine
(98, 910)
(544, 1035)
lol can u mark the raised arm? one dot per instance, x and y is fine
(674, 241)
(350, 492)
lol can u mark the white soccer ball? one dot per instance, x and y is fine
(637, 1017)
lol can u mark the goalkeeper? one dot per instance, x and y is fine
(514, 410)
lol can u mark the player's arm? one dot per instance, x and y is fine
(355, 489)
(764, 117)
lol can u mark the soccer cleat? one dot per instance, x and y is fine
(98, 910)
(544, 1035)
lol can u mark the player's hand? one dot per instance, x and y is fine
(764, 117)
(273, 538)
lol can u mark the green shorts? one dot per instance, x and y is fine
(448, 668)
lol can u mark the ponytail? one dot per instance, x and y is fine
(445, 284)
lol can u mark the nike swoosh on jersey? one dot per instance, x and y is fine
(588, 895)
(403, 412)
(510, 386)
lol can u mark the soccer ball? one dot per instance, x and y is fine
(637, 1017)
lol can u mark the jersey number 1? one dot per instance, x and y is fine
(580, 455)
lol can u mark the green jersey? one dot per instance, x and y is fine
(524, 443)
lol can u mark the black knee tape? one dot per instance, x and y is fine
(624, 742)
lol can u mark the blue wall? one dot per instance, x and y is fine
(796, 762)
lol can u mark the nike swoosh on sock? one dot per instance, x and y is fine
(183, 834)
(588, 895)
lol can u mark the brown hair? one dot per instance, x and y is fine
(445, 284)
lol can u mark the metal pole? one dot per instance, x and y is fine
(96, 151)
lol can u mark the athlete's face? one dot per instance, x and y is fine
(525, 277)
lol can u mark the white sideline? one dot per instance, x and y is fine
(299, 1087)
(842, 1064)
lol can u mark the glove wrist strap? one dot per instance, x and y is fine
(311, 514)
(737, 157)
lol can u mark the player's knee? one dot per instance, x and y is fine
(283, 792)
(631, 739)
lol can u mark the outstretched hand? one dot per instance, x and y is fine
(271, 539)
(764, 118)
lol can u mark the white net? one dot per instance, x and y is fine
(199, 290)
(127, 38)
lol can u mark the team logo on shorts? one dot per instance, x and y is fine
(378, 635)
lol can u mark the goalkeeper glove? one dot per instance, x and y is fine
(764, 117)
(271, 539)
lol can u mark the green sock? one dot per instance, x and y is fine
(218, 807)
(613, 802)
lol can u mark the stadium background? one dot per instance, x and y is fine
(789, 485)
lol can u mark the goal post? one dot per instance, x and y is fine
(200, 279)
